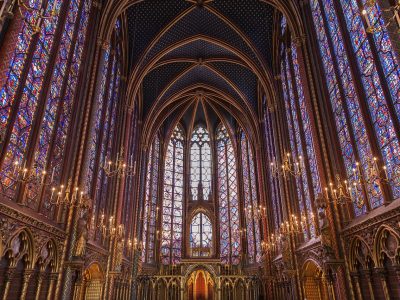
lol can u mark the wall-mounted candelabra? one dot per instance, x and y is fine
(22, 174)
(66, 195)
(291, 227)
(272, 244)
(289, 166)
(109, 228)
(120, 167)
(256, 212)
(351, 190)
(374, 25)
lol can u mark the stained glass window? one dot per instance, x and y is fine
(57, 113)
(107, 135)
(250, 201)
(171, 241)
(302, 153)
(372, 83)
(229, 219)
(65, 114)
(345, 105)
(386, 53)
(345, 100)
(200, 164)
(96, 128)
(53, 123)
(150, 206)
(273, 182)
(27, 104)
(201, 235)
(302, 188)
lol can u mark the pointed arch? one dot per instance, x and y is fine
(200, 164)
(230, 246)
(171, 239)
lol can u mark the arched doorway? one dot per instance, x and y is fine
(93, 284)
(200, 286)
(314, 284)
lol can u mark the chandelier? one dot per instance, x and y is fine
(33, 175)
(376, 26)
(66, 195)
(256, 212)
(109, 228)
(288, 167)
(293, 225)
(351, 189)
(272, 244)
(119, 167)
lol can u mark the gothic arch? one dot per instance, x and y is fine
(387, 244)
(48, 256)
(21, 246)
(360, 255)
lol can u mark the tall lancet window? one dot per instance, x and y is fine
(377, 91)
(229, 220)
(201, 235)
(171, 244)
(200, 164)
(250, 201)
(376, 76)
(150, 208)
(37, 91)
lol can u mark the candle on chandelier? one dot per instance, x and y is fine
(81, 198)
(52, 193)
(386, 174)
(365, 14)
(43, 177)
(15, 167)
(52, 174)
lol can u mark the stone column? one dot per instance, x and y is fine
(381, 273)
(52, 281)
(8, 276)
(369, 281)
(356, 281)
(41, 277)
(397, 270)
(25, 282)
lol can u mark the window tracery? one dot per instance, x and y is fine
(25, 91)
(229, 218)
(171, 240)
(150, 206)
(377, 66)
(250, 201)
(200, 164)
(201, 235)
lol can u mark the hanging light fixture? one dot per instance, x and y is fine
(119, 167)
(289, 166)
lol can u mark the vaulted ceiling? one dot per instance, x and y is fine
(183, 51)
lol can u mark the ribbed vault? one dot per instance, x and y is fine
(215, 52)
